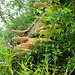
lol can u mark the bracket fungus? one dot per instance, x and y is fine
(40, 4)
(25, 39)
(20, 33)
(20, 39)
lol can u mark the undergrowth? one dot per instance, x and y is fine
(51, 58)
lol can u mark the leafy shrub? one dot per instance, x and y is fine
(54, 57)
(5, 58)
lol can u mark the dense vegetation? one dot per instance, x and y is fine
(53, 58)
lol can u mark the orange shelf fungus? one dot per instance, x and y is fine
(26, 46)
(20, 33)
(20, 39)
(40, 4)
(23, 46)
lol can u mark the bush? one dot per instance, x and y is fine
(57, 56)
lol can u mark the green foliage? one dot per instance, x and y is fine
(55, 57)
(5, 68)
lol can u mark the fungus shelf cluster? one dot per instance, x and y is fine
(25, 39)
